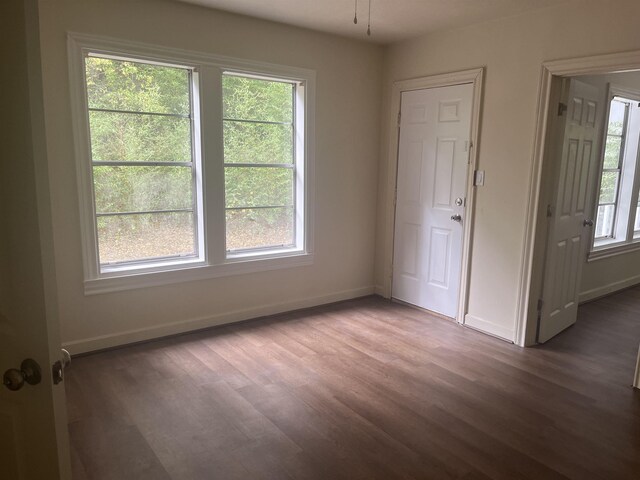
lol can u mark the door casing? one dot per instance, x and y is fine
(475, 77)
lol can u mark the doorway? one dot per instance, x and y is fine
(433, 155)
(601, 221)
(468, 79)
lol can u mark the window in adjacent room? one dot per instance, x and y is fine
(617, 220)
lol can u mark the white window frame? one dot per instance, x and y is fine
(625, 239)
(604, 239)
(298, 168)
(213, 260)
(196, 173)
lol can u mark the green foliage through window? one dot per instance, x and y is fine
(141, 113)
(259, 133)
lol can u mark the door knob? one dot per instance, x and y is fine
(29, 372)
(456, 218)
(587, 223)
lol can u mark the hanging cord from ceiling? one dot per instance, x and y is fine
(355, 17)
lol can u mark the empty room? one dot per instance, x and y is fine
(337, 239)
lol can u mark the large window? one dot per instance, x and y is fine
(142, 159)
(190, 166)
(260, 167)
(618, 219)
(612, 168)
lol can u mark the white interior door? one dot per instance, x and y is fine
(33, 430)
(569, 229)
(433, 158)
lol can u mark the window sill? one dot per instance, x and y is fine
(612, 250)
(128, 279)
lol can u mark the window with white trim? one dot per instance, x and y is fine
(259, 120)
(143, 163)
(617, 218)
(190, 166)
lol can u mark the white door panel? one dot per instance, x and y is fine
(432, 173)
(33, 429)
(568, 236)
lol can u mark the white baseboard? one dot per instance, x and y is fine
(491, 328)
(636, 379)
(149, 333)
(382, 291)
(595, 293)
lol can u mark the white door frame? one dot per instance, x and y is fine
(532, 263)
(475, 77)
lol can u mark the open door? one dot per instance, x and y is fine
(33, 430)
(569, 225)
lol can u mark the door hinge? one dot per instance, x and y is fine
(540, 305)
(562, 107)
(549, 211)
(399, 117)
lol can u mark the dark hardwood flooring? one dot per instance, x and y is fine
(364, 389)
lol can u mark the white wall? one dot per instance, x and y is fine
(347, 121)
(512, 50)
(607, 275)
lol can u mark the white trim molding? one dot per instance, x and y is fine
(492, 329)
(474, 76)
(102, 342)
(636, 377)
(600, 64)
(608, 289)
(613, 251)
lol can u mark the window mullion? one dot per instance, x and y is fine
(137, 112)
(126, 163)
(213, 162)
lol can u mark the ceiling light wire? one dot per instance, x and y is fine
(355, 14)
(369, 24)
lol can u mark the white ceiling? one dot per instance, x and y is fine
(391, 20)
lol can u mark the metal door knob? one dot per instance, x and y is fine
(29, 372)
(456, 218)
(587, 223)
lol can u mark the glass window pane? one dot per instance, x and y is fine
(616, 117)
(139, 87)
(255, 99)
(124, 137)
(258, 186)
(256, 228)
(604, 222)
(135, 189)
(608, 187)
(257, 142)
(612, 152)
(135, 237)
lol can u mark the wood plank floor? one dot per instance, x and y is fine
(364, 389)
